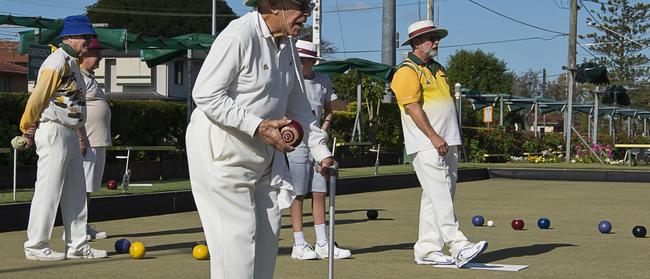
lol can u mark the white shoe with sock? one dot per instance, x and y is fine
(303, 251)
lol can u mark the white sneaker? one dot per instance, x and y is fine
(46, 254)
(94, 234)
(323, 252)
(85, 252)
(469, 252)
(303, 251)
(436, 258)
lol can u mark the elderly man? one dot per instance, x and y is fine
(248, 86)
(54, 117)
(432, 137)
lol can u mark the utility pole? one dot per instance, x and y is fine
(571, 79)
(430, 11)
(544, 92)
(214, 18)
(388, 41)
(317, 23)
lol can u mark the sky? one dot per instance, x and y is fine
(533, 43)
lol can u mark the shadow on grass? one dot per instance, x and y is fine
(158, 233)
(522, 251)
(382, 248)
(341, 211)
(173, 246)
(341, 222)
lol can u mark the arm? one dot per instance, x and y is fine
(299, 109)
(329, 115)
(406, 85)
(414, 110)
(49, 80)
(84, 143)
(210, 93)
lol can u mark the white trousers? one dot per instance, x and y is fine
(230, 177)
(94, 163)
(59, 178)
(438, 225)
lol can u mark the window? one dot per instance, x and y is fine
(178, 72)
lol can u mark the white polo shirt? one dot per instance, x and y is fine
(248, 76)
(320, 90)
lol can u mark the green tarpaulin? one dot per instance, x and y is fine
(155, 50)
(378, 71)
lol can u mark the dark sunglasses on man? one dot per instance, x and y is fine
(305, 5)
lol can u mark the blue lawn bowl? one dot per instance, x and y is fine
(478, 220)
(605, 226)
(122, 246)
(544, 223)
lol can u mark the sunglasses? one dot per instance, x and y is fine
(304, 6)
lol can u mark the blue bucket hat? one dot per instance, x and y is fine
(77, 25)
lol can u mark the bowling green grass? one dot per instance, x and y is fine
(383, 248)
(24, 195)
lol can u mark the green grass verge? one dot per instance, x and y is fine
(24, 195)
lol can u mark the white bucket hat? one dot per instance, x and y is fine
(307, 49)
(423, 27)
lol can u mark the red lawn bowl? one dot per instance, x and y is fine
(292, 133)
(111, 184)
(517, 224)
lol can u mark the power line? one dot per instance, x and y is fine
(367, 8)
(467, 44)
(515, 20)
(559, 6)
(341, 28)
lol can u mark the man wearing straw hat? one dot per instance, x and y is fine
(432, 137)
(54, 118)
(320, 91)
(248, 86)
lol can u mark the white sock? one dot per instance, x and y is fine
(321, 234)
(299, 238)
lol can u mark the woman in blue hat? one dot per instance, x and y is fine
(54, 121)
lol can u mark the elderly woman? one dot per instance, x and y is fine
(98, 126)
(248, 86)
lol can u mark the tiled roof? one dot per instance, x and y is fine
(9, 53)
(9, 68)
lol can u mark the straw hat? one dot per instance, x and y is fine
(424, 27)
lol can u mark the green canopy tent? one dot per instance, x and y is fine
(374, 70)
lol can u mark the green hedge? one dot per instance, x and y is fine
(133, 123)
(163, 123)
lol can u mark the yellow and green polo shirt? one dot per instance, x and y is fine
(414, 81)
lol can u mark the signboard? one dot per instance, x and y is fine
(487, 114)
(36, 56)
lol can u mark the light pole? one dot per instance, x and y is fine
(459, 104)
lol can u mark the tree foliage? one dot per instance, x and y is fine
(622, 56)
(527, 84)
(480, 71)
(160, 17)
(327, 48)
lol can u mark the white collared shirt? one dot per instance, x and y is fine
(248, 77)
